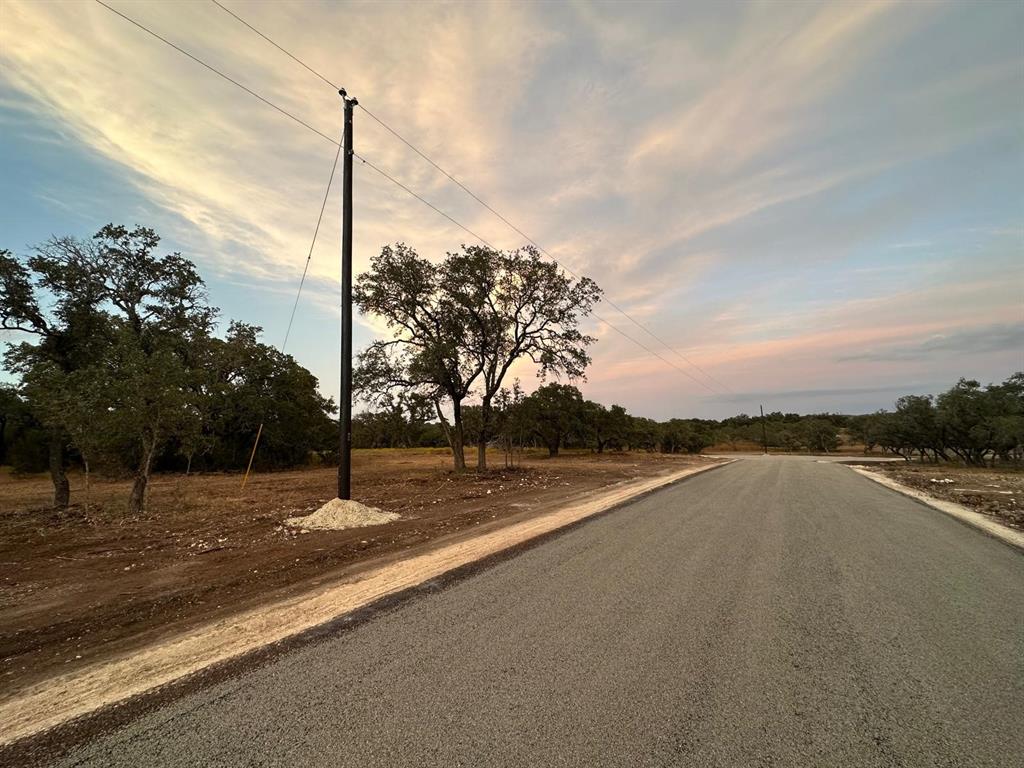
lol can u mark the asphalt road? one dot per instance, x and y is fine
(776, 612)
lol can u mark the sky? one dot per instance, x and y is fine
(817, 207)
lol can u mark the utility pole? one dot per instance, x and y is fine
(345, 401)
(764, 431)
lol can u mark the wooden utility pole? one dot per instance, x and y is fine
(345, 401)
(764, 430)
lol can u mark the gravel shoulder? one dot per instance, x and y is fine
(995, 493)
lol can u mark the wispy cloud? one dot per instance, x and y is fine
(995, 337)
(777, 190)
(814, 394)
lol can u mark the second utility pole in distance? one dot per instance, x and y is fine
(764, 430)
(345, 401)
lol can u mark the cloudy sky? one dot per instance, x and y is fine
(819, 205)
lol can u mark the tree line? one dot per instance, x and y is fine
(971, 423)
(120, 370)
(974, 424)
(557, 416)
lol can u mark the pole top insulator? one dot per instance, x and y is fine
(353, 101)
(342, 92)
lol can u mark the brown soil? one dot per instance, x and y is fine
(94, 583)
(998, 493)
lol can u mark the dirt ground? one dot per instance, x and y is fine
(998, 493)
(94, 583)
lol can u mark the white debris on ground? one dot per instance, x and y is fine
(944, 480)
(338, 514)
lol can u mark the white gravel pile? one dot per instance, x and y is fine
(337, 515)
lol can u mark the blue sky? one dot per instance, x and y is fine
(820, 205)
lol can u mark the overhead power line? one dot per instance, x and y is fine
(469, 192)
(309, 256)
(217, 72)
(297, 60)
(298, 295)
(533, 242)
(423, 200)
(395, 181)
(465, 228)
(530, 240)
(271, 104)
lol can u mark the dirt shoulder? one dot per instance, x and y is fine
(93, 585)
(995, 493)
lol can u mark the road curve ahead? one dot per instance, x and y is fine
(776, 612)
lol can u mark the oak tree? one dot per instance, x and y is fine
(459, 326)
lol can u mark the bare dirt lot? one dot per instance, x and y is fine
(998, 493)
(91, 584)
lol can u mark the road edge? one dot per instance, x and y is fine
(959, 512)
(72, 716)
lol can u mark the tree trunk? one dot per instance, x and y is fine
(454, 440)
(458, 438)
(85, 463)
(137, 500)
(481, 448)
(61, 487)
(553, 446)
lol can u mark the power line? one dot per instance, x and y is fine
(334, 167)
(423, 200)
(533, 242)
(298, 294)
(217, 72)
(466, 229)
(397, 182)
(469, 192)
(297, 60)
(309, 256)
(537, 245)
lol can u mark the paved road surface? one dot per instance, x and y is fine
(777, 612)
